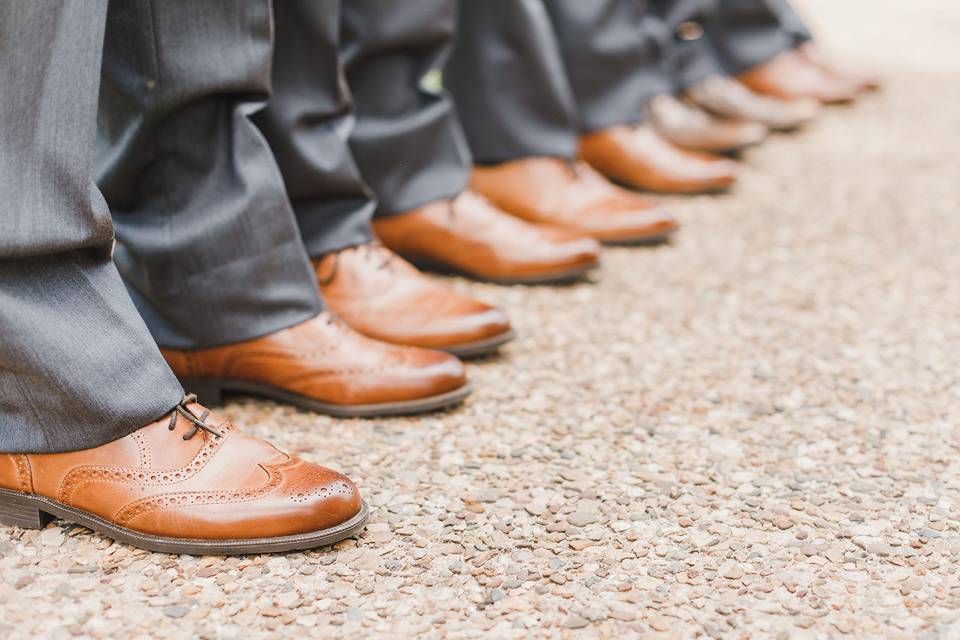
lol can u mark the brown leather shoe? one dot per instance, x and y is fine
(468, 235)
(384, 297)
(865, 81)
(188, 483)
(725, 97)
(791, 76)
(573, 195)
(325, 366)
(638, 157)
(690, 127)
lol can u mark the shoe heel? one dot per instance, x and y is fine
(209, 392)
(17, 511)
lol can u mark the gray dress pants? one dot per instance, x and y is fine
(354, 130)
(507, 79)
(689, 53)
(207, 241)
(78, 367)
(529, 76)
(614, 56)
(748, 33)
(308, 124)
(407, 140)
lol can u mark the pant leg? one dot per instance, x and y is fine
(748, 33)
(792, 23)
(612, 53)
(308, 123)
(208, 243)
(407, 140)
(688, 52)
(78, 368)
(507, 80)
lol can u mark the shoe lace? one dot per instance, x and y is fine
(369, 250)
(372, 250)
(574, 169)
(198, 422)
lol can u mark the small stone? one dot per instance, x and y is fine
(730, 570)
(176, 611)
(623, 614)
(582, 519)
(535, 508)
(660, 623)
(575, 622)
(51, 537)
(380, 537)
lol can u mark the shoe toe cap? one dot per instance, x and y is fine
(322, 497)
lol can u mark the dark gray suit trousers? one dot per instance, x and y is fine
(207, 240)
(78, 367)
(507, 79)
(614, 56)
(407, 140)
(308, 124)
(747, 33)
(353, 126)
(529, 76)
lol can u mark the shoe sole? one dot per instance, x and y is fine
(675, 190)
(567, 276)
(639, 241)
(479, 348)
(35, 512)
(210, 392)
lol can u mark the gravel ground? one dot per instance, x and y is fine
(752, 433)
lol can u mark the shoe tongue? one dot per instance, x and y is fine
(325, 267)
(159, 448)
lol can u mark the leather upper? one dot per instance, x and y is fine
(791, 75)
(638, 156)
(573, 195)
(862, 80)
(382, 296)
(693, 128)
(725, 96)
(156, 482)
(471, 235)
(325, 360)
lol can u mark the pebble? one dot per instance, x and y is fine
(575, 622)
(176, 611)
(581, 519)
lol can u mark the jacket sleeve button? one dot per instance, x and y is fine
(690, 30)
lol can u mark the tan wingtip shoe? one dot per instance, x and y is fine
(791, 75)
(572, 194)
(188, 483)
(638, 156)
(323, 365)
(471, 236)
(687, 125)
(384, 297)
